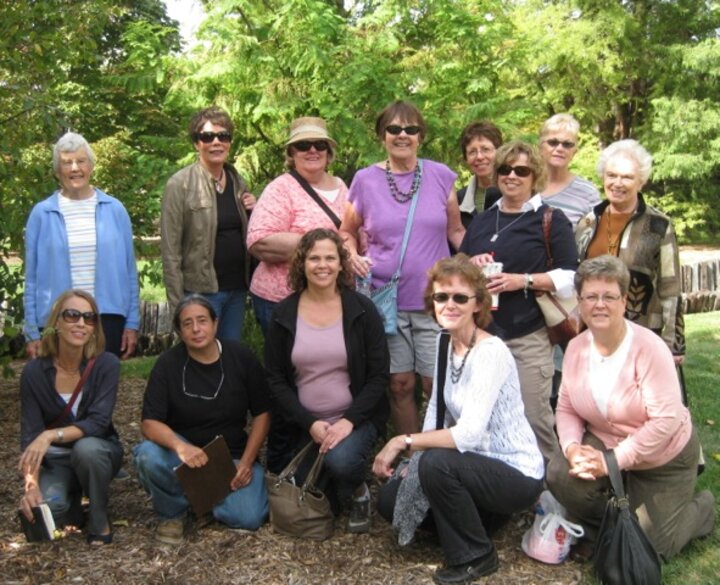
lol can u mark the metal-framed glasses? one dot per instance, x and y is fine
(593, 299)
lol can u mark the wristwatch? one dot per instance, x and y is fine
(60, 435)
(408, 442)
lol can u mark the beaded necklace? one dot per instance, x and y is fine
(401, 196)
(456, 372)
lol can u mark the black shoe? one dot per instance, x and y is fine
(468, 572)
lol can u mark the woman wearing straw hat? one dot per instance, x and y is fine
(287, 209)
(304, 198)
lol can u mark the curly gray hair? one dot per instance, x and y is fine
(631, 149)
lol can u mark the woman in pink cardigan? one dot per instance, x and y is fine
(620, 392)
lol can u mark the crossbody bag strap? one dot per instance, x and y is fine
(75, 394)
(614, 473)
(408, 226)
(442, 371)
(546, 226)
(310, 191)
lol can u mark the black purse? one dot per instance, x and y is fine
(623, 553)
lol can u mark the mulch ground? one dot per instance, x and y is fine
(214, 554)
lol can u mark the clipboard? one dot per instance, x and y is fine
(208, 485)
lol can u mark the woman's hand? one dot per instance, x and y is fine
(482, 259)
(586, 462)
(382, 466)
(33, 455)
(505, 282)
(32, 348)
(30, 500)
(319, 430)
(360, 265)
(191, 455)
(243, 477)
(248, 200)
(336, 433)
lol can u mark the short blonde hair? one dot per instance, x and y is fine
(560, 123)
(49, 343)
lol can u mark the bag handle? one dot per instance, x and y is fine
(614, 475)
(313, 474)
(75, 394)
(546, 226)
(442, 371)
(571, 528)
(310, 191)
(291, 467)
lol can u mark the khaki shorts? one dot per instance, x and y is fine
(413, 348)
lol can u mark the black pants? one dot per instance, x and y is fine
(113, 327)
(468, 494)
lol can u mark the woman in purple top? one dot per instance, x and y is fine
(379, 203)
(327, 364)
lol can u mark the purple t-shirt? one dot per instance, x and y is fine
(384, 222)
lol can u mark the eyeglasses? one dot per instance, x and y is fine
(595, 299)
(484, 151)
(396, 130)
(207, 137)
(68, 163)
(554, 143)
(458, 298)
(73, 316)
(305, 145)
(625, 179)
(520, 170)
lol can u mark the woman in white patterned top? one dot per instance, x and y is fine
(81, 238)
(480, 461)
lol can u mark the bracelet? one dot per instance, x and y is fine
(408, 442)
(528, 283)
(60, 435)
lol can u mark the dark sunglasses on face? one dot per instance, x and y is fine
(395, 130)
(554, 143)
(208, 137)
(73, 316)
(520, 170)
(458, 298)
(305, 145)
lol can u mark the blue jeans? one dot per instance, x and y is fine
(230, 308)
(263, 310)
(345, 466)
(245, 508)
(88, 467)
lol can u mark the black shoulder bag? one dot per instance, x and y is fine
(623, 553)
(442, 370)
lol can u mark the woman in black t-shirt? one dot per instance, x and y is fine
(197, 390)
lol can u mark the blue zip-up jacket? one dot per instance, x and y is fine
(47, 263)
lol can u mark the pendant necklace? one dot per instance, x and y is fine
(498, 231)
(218, 182)
(401, 196)
(456, 372)
(612, 245)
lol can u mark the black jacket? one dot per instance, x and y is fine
(368, 362)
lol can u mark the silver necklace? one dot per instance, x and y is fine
(456, 372)
(498, 231)
(218, 182)
(222, 377)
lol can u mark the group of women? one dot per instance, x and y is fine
(488, 430)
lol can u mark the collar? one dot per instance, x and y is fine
(468, 203)
(532, 204)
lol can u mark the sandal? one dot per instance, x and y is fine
(99, 539)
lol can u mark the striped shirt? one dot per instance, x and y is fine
(79, 216)
(576, 200)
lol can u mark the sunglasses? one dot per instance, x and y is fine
(520, 170)
(458, 298)
(554, 143)
(395, 130)
(207, 137)
(73, 316)
(305, 145)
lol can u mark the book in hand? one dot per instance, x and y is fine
(208, 485)
(43, 526)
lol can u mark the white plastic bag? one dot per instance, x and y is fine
(551, 535)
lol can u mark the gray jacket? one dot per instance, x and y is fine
(188, 225)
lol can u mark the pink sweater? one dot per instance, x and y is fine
(646, 424)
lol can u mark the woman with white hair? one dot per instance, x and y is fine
(81, 238)
(564, 190)
(642, 237)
